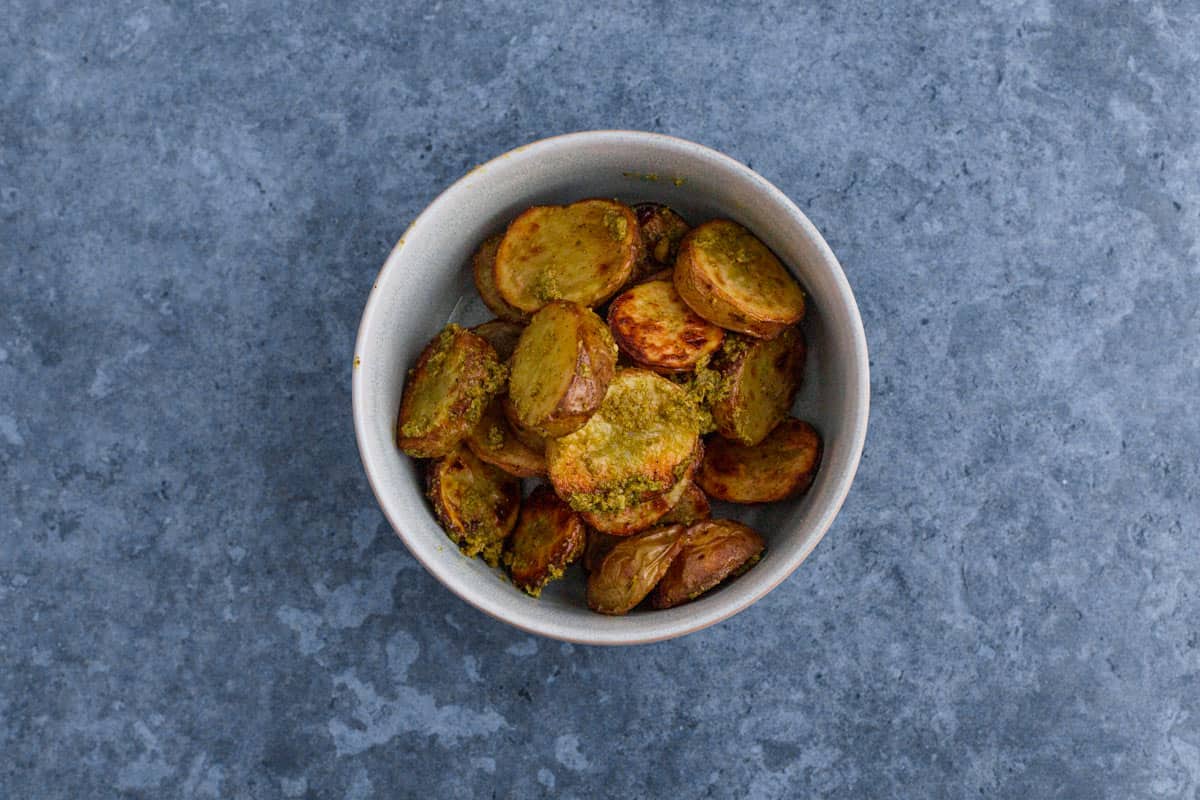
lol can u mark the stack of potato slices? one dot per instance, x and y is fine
(637, 366)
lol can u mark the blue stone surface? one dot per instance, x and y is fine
(199, 597)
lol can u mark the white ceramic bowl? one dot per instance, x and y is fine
(426, 282)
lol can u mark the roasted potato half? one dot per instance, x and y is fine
(631, 569)
(528, 436)
(662, 231)
(643, 515)
(582, 252)
(549, 536)
(759, 379)
(781, 465)
(597, 547)
(493, 440)
(561, 369)
(691, 508)
(657, 329)
(501, 335)
(445, 394)
(712, 551)
(639, 444)
(731, 279)
(483, 265)
(476, 503)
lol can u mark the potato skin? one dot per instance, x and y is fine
(483, 266)
(658, 330)
(583, 252)
(446, 392)
(548, 537)
(476, 503)
(501, 335)
(732, 280)
(782, 465)
(712, 551)
(527, 436)
(759, 381)
(645, 514)
(631, 569)
(592, 371)
(638, 445)
(597, 547)
(662, 231)
(692, 507)
(494, 441)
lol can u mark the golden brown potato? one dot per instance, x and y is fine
(483, 265)
(691, 508)
(476, 503)
(549, 536)
(643, 515)
(638, 445)
(582, 252)
(731, 279)
(597, 547)
(561, 368)
(662, 231)
(631, 569)
(759, 382)
(712, 551)
(445, 394)
(657, 329)
(495, 442)
(528, 436)
(501, 335)
(782, 465)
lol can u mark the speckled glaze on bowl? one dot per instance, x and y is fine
(426, 281)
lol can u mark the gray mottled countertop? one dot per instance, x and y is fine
(199, 597)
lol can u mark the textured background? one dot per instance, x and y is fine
(199, 597)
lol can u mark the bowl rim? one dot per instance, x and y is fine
(856, 437)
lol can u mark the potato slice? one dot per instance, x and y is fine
(583, 252)
(528, 436)
(501, 335)
(597, 547)
(445, 394)
(639, 444)
(759, 382)
(483, 265)
(782, 465)
(662, 231)
(476, 503)
(731, 279)
(631, 569)
(691, 508)
(549, 536)
(712, 551)
(495, 442)
(640, 516)
(656, 328)
(561, 369)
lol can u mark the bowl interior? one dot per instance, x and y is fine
(427, 282)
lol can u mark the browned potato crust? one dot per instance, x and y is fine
(445, 394)
(483, 265)
(561, 369)
(495, 442)
(631, 569)
(501, 335)
(549, 536)
(712, 551)
(662, 231)
(582, 252)
(638, 445)
(476, 503)
(597, 547)
(691, 508)
(759, 379)
(656, 328)
(731, 279)
(782, 465)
